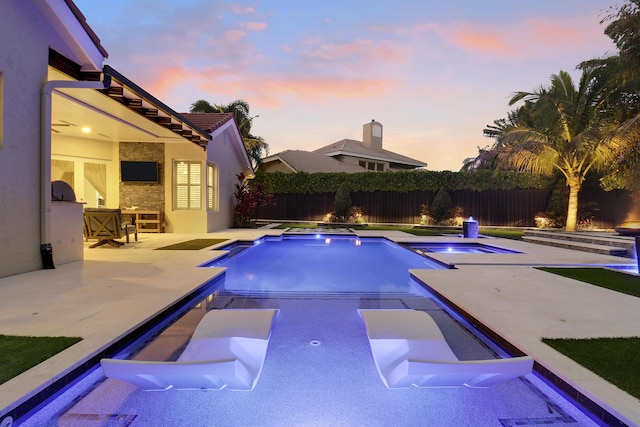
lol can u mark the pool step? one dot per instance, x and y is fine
(622, 247)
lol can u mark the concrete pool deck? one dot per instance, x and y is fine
(115, 289)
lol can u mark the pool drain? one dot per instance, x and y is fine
(314, 343)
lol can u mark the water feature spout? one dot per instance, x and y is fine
(470, 228)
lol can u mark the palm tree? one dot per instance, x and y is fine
(487, 157)
(572, 131)
(254, 145)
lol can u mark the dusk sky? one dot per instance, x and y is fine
(433, 73)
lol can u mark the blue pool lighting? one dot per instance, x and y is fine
(460, 248)
(319, 368)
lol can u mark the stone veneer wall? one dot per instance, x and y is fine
(143, 194)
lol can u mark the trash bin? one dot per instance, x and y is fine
(470, 228)
(46, 251)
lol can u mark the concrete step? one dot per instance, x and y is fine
(579, 246)
(608, 240)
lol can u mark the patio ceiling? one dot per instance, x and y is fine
(121, 112)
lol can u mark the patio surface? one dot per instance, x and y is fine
(115, 289)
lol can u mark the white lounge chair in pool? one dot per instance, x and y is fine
(409, 349)
(227, 349)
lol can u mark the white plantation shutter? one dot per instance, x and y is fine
(212, 187)
(188, 185)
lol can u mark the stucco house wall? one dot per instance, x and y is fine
(224, 152)
(24, 55)
(182, 221)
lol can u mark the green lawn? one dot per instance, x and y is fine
(614, 359)
(605, 278)
(18, 353)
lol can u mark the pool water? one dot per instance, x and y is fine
(319, 370)
(321, 264)
(461, 248)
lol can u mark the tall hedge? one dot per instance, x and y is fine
(307, 183)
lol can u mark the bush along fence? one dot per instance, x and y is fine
(493, 198)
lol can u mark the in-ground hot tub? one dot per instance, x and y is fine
(460, 248)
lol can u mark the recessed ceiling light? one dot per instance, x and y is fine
(86, 129)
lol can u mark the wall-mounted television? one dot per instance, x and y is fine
(139, 171)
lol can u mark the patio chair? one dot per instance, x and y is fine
(106, 226)
(409, 349)
(227, 349)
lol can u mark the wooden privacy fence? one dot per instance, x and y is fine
(496, 207)
(514, 208)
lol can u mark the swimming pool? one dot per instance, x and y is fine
(305, 264)
(319, 370)
(461, 248)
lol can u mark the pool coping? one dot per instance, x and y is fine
(610, 417)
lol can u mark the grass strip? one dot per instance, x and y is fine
(192, 245)
(614, 359)
(19, 353)
(605, 278)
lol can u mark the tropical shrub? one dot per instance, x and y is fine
(249, 198)
(455, 217)
(425, 215)
(356, 215)
(546, 220)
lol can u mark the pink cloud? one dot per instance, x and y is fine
(256, 26)
(241, 10)
(329, 87)
(481, 39)
(365, 50)
(233, 35)
(271, 90)
(527, 39)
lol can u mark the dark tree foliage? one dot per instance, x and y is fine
(255, 146)
(441, 206)
(623, 24)
(342, 203)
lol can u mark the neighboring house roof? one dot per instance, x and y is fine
(353, 148)
(305, 161)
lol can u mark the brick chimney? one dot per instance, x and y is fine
(372, 135)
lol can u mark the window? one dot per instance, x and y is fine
(187, 185)
(212, 187)
(372, 166)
